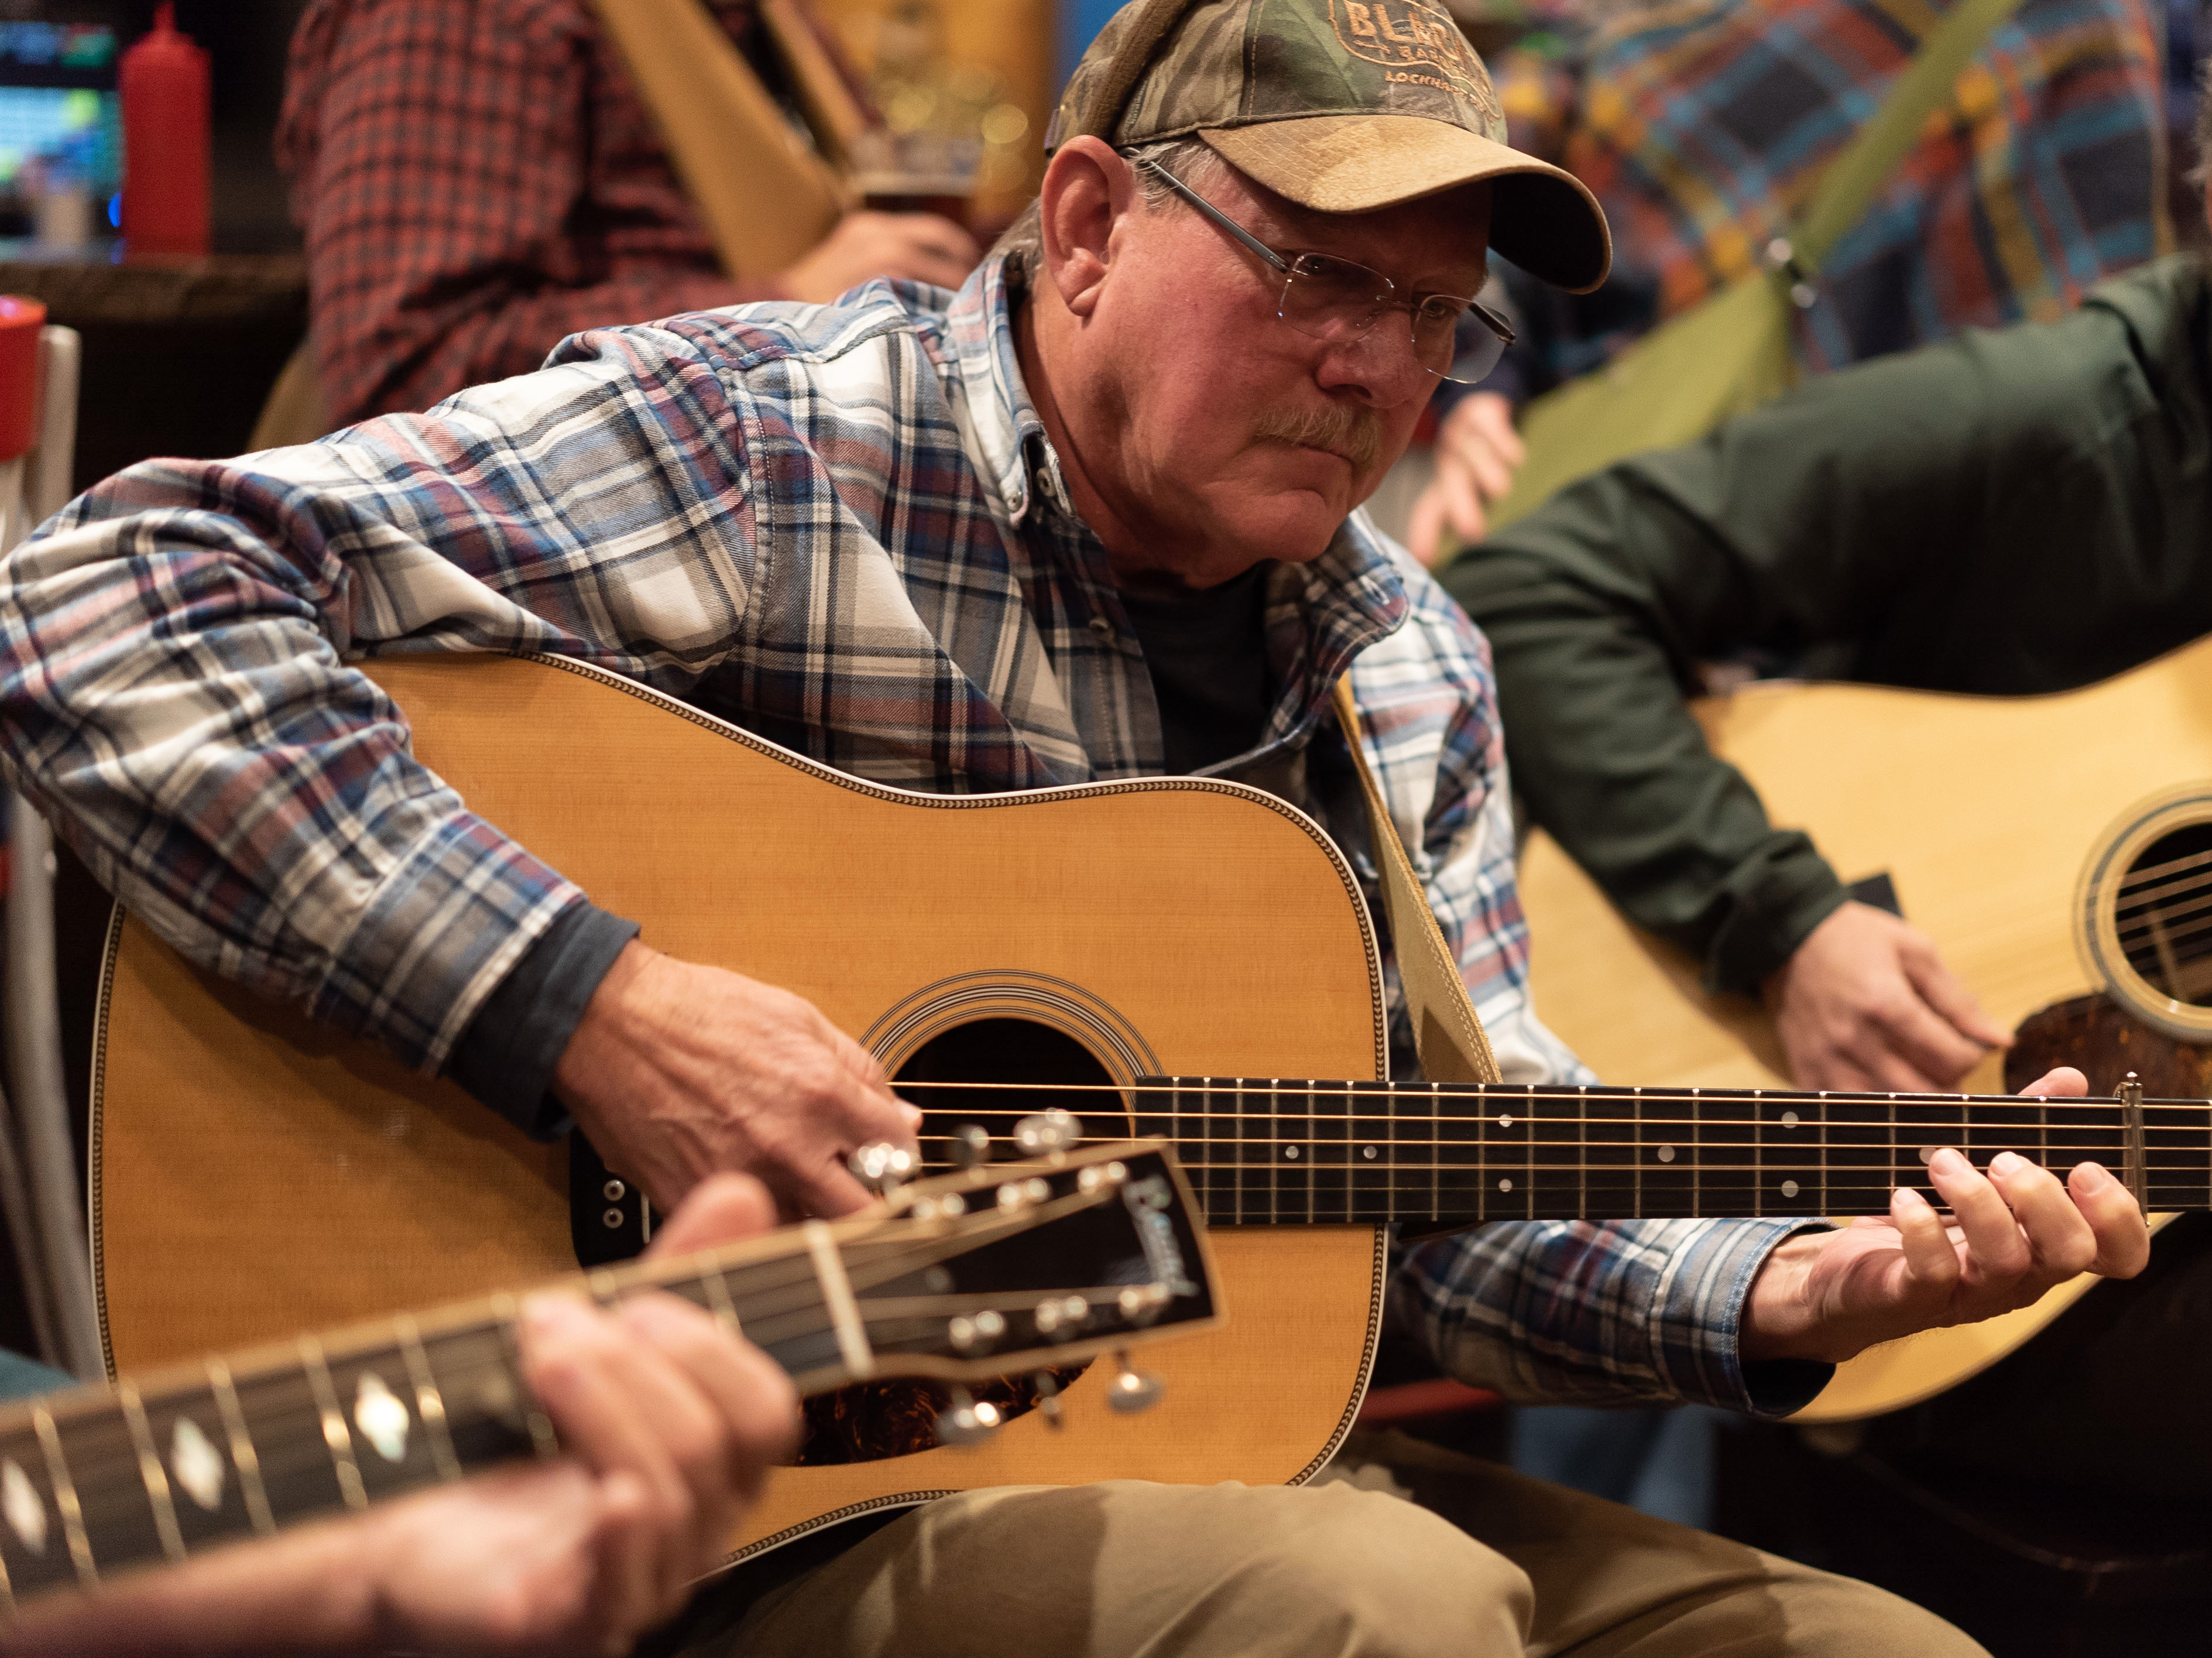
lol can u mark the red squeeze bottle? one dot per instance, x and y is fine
(164, 80)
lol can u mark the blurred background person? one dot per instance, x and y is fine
(1702, 129)
(478, 179)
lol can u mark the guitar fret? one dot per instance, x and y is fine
(243, 1457)
(1765, 1196)
(1635, 1159)
(1697, 1163)
(1581, 1151)
(1274, 1190)
(543, 1439)
(429, 1398)
(1238, 1185)
(150, 1471)
(336, 1435)
(57, 1474)
(718, 1303)
(1437, 1149)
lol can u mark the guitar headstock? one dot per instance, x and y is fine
(1030, 1264)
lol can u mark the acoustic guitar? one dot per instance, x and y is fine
(1040, 1263)
(1157, 956)
(2058, 850)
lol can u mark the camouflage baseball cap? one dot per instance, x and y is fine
(1339, 104)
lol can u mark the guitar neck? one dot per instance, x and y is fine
(101, 1479)
(1269, 1151)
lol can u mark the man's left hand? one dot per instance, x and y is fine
(2015, 1232)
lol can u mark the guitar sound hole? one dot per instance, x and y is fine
(2164, 914)
(1048, 1068)
(1023, 1067)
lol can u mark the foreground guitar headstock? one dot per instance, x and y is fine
(999, 1270)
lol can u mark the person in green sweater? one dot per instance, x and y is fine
(2028, 509)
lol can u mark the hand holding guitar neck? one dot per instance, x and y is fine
(669, 1424)
(677, 1071)
(2017, 1232)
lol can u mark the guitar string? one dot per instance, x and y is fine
(2158, 925)
(2135, 877)
(1663, 1092)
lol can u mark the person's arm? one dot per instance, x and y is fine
(668, 1424)
(177, 691)
(1892, 490)
(1754, 1314)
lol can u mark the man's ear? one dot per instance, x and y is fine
(1087, 191)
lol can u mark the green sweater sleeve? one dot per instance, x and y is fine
(2006, 512)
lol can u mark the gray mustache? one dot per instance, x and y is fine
(1355, 434)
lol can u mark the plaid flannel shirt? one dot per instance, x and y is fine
(477, 179)
(842, 527)
(1702, 130)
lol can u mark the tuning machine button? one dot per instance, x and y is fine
(968, 1146)
(881, 1167)
(968, 1335)
(1131, 1390)
(1046, 1132)
(1050, 1406)
(963, 1422)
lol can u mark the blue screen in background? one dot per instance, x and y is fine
(58, 104)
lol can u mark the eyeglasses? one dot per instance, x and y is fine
(1334, 300)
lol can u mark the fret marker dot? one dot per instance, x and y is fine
(19, 1500)
(1789, 1120)
(1665, 1153)
(1291, 1152)
(381, 1417)
(1505, 1186)
(1505, 1122)
(1789, 1188)
(196, 1464)
(1368, 1152)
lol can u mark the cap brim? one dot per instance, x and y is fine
(1541, 217)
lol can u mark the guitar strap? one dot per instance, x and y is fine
(766, 196)
(1447, 1034)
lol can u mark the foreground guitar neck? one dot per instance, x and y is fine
(1270, 1151)
(1001, 1270)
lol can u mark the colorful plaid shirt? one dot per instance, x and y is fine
(843, 527)
(1703, 127)
(477, 180)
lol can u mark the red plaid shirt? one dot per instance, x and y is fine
(477, 180)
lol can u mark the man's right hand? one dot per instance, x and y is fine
(677, 1070)
(916, 247)
(1866, 1004)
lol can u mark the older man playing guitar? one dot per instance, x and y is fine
(1093, 516)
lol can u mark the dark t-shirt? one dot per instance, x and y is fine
(1208, 658)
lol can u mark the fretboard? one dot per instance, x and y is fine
(1272, 1152)
(98, 1481)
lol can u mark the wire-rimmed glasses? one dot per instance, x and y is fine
(1334, 300)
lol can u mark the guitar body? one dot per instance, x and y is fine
(1991, 816)
(253, 1174)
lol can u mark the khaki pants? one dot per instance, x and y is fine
(1482, 1561)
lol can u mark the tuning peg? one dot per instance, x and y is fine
(968, 1146)
(965, 1422)
(1048, 1131)
(1132, 1391)
(1049, 1402)
(881, 1167)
